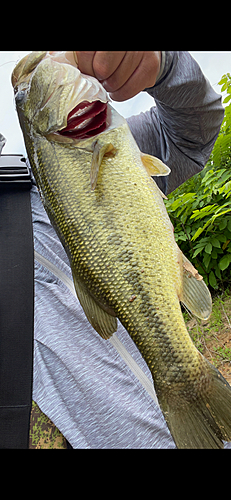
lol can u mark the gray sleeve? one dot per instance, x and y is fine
(183, 126)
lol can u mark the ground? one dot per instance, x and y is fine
(43, 433)
(213, 337)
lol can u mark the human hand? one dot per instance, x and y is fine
(124, 73)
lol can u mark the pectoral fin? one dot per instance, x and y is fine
(195, 294)
(101, 320)
(100, 150)
(154, 166)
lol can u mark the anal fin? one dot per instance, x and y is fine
(105, 323)
(195, 294)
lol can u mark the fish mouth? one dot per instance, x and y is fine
(84, 112)
(86, 120)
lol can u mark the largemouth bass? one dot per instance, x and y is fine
(109, 214)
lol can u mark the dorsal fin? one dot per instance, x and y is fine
(154, 166)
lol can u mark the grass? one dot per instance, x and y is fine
(213, 337)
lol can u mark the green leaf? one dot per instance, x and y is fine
(201, 229)
(198, 250)
(224, 87)
(208, 248)
(221, 147)
(207, 176)
(221, 237)
(223, 80)
(206, 260)
(224, 262)
(212, 279)
(226, 189)
(218, 214)
(223, 224)
(218, 273)
(197, 233)
(216, 243)
(227, 99)
(207, 210)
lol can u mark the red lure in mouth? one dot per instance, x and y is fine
(86, 120)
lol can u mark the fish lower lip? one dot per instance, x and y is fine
(86, 120)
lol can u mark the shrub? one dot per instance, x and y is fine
(200, 209)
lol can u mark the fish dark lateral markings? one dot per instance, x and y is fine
(109, 214)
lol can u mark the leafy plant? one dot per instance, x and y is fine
(200, 209)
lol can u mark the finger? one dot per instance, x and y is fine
(85, 62)
(144, 76)
(124, 71)
(105, 63)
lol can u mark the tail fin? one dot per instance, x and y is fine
(205, 421)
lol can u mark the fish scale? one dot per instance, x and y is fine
(110, 217)
(94, 230)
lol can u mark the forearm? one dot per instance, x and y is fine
(183, 126)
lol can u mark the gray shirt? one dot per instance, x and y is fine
(80, 381)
